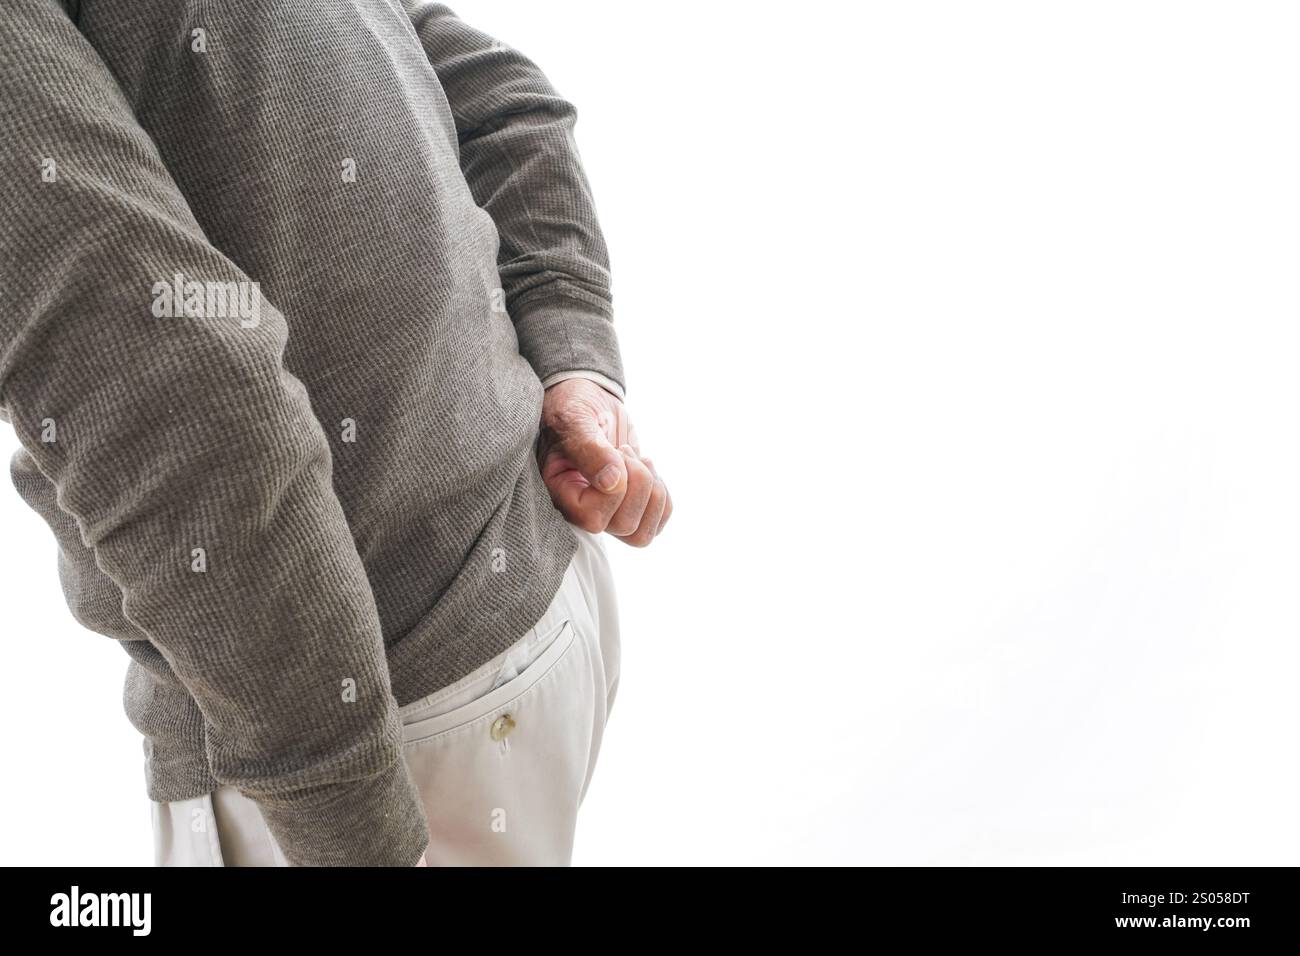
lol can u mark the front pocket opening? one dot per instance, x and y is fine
(423, 727)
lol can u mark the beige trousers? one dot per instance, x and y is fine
(502, 758)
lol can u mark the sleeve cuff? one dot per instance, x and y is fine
(378, 821)
(604, 381)
(561, 335)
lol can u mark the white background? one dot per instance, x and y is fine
(965, 336)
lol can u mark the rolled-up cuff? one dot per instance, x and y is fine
(559, 335)
(378, 821)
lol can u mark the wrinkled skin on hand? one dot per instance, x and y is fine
(591, 462)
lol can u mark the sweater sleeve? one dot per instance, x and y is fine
(189, 457)
(518, 153)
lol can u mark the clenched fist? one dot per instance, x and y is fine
(592, 465)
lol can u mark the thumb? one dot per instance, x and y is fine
(593, 455)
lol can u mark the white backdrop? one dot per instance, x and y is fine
(965, 336)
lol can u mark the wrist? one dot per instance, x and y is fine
(590, 375)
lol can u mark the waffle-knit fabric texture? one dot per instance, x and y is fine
(298, 518)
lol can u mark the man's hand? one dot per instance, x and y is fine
(592, 465)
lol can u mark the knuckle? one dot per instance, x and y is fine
(637, 471)
(659, 497)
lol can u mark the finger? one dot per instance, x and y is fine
(668, 498)
(580, 503)
(651, 518)
(640, 485)
(668, 509)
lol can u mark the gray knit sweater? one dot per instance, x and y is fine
(280, 281)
